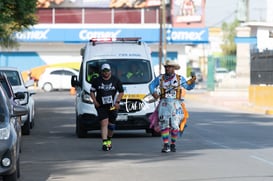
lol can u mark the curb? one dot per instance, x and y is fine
(269, 112)
(226, 101)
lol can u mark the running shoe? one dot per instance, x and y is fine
(109, 144)
(166, 148)
(105, 146)
(173, 149)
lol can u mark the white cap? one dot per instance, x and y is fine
(105, 66)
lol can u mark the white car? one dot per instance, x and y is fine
(223, 73)
(56, 78)
(18, 85)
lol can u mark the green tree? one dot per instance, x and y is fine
(229, 33)
(15, 16)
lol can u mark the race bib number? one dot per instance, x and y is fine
(171, 94)
(107, 100)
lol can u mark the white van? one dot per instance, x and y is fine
(123, 54)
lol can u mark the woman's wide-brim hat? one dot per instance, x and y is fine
(172, 63)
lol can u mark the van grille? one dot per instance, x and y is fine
(131, 106)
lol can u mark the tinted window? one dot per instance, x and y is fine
(66, 72)
(13, 77)
(127, 70)
(6, 87)
(2, 108)
(4, 104)
(57, 72)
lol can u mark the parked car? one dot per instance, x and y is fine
(13, 98)
(198, 73)
(18, 85)
(10, 137)
(223, 73)
(56, 79)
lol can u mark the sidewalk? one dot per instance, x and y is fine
(234, 98)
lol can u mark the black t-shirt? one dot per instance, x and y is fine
(106, 89)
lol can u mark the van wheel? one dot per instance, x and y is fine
(26, 127)
(80, 131)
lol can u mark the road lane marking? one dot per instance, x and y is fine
(217, 144)
(262, 160)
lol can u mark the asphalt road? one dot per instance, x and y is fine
(218, 145)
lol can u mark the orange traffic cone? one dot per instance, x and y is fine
(72, 91)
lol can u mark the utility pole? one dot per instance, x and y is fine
(162, 34)
(247, 10)
(160, 38)
(243, 10)
(164, 31)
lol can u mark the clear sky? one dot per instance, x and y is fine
(219, 11)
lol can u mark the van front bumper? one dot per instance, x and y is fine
(91, 122)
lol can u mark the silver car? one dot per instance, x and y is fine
(9, 137)
(18, 85)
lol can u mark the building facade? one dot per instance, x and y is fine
(65, 27)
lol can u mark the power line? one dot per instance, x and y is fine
(224, 19)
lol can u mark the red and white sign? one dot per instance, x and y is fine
(188, 13)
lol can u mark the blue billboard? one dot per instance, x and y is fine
(80, 35)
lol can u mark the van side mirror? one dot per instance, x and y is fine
(74, 81)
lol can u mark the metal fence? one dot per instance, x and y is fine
(261, 67)
(228, 62)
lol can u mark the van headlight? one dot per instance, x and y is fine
(86, 98)
(5, 132)
(149, 98)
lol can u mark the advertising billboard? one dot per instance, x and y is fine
(188, 13)
(97, 3)
(80, 35)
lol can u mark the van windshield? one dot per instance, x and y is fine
(127, 70)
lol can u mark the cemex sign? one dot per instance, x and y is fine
(79, 35)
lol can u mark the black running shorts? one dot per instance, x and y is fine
(104, 112)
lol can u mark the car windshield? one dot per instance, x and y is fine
(128, 71)
(13, 77)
